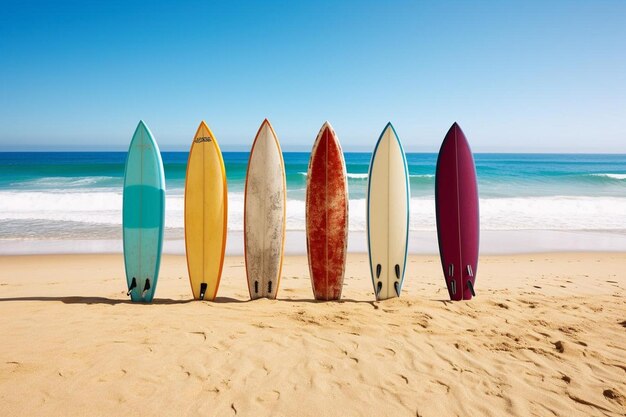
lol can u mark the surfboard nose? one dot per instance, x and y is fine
(456, 128)
(266, 125)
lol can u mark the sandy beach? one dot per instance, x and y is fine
(545, 336)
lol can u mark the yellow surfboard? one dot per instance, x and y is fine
(206, 214)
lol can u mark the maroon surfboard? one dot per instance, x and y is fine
(327, 215)
(456, 200)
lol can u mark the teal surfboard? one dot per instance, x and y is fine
(143, 214)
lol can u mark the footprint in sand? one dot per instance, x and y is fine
(461, 346)
(422, 322)
(393, 352)
(14, 365)
(615, 396)
(437, 387)
(568, 330)
(184, 371)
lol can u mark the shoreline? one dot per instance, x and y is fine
(492, 242)
(543, 336)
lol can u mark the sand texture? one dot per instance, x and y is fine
(546, 335)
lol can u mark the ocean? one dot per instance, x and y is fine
(77, 196)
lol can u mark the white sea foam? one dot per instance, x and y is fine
(612, 176)
(554, 213)
(62, 183)
(357, 176)
(536, 213)
(544, 213)
(364, 176)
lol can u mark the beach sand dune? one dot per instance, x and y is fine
(545, 336)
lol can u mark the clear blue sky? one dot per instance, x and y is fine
(517, 76)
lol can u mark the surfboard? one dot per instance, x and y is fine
(327, 215)
(456, 202)
(206, 214)
(388, 200)
(264, 214)
(143, 215)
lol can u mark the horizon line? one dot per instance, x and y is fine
(433, 152)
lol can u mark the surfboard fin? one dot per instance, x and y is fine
(453, 287)
(146, 287)
(397, 271)
(396, 286)
(451, 270)
(256, 287)
(202, 290)
(379, 287)
(133, 285)
(471, 287)
(469, 282)
(379, 268)
(269, 287)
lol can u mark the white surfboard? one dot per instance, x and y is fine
(264, 214)
(388, 199)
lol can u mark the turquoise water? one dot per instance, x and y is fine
(499, 174)
(78, 194)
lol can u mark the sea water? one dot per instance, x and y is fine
(77, 197)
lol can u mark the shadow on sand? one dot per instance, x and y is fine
(114, 301)
(169, 301)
